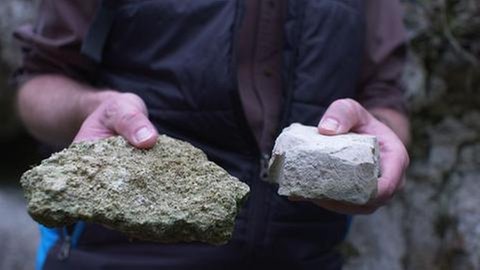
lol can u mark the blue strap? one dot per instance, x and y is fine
(48, 238)
(77, 233)
(349, 224)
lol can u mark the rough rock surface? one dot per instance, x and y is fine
(438, 210)
(170, 193)
(307, 164)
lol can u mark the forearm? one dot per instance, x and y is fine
(53, 107)
(396, 121)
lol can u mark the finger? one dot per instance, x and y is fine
(393, 162)
(91, 133)
(92, 129)
(130, 120)
(342, 116)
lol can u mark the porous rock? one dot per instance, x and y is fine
(170, 193)
(310, 165)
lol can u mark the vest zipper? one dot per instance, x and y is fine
(264, 162)
(289, 82)
(66, 245)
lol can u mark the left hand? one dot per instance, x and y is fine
(347, 115)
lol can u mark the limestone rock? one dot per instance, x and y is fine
(307, 164)
(170, 193)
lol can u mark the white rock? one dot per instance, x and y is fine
(342, 167)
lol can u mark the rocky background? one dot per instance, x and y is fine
(18, 233)
(433, 224)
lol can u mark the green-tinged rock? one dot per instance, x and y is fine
(170, 193)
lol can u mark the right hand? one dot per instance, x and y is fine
(123, 114)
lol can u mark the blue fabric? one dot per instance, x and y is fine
(48, 238)
(349, 221)
(77, 232)
(349, 225)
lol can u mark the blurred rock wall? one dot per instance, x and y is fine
(435, 222)
(12, 14)
(18, 233)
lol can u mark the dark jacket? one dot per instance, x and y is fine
(227, 76)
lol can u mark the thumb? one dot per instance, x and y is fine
(342, 116)
(129, 119)
(124, 115)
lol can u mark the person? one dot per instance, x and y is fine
(226, 76)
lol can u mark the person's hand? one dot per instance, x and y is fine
(347, 115)
(123, 114)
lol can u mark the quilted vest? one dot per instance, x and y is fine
(180, 58)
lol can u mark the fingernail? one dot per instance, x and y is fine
(143, 134)
(329, 124)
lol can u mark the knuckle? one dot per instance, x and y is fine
(351, 108)
(129, 97)
(345, 103)
(134, 100)
(348, 103)
(127, 121)
(111, 109)
(123, 111)
(130, 117)
(357, 115)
